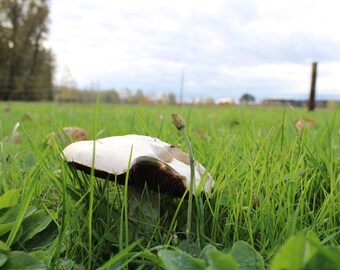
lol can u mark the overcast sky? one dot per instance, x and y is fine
(226, 47)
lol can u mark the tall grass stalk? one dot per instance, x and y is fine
(3, 180)
(92, 180)
(179, 123)
(30, 183)
(62, 227)
(124, 217)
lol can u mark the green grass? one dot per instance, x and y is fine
(271, 182)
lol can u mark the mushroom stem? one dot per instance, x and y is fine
(144, 208)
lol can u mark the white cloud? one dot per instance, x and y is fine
(226, 47)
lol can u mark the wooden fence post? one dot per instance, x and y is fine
(311, 102)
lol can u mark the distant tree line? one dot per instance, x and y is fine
(125, 96)
(26, 65)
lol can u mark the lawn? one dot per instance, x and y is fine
(276, 197)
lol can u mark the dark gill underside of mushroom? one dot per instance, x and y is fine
(157, 175)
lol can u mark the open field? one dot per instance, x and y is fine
(272, 182)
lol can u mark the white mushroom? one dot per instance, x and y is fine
(160, 166)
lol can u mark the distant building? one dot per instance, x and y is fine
(284, 102)
(293, 102)
(225, 102)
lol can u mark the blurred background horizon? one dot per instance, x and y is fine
(192, 50)
(224, 48)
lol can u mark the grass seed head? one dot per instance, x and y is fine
(178, 121)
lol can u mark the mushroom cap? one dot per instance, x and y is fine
(160, 165)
